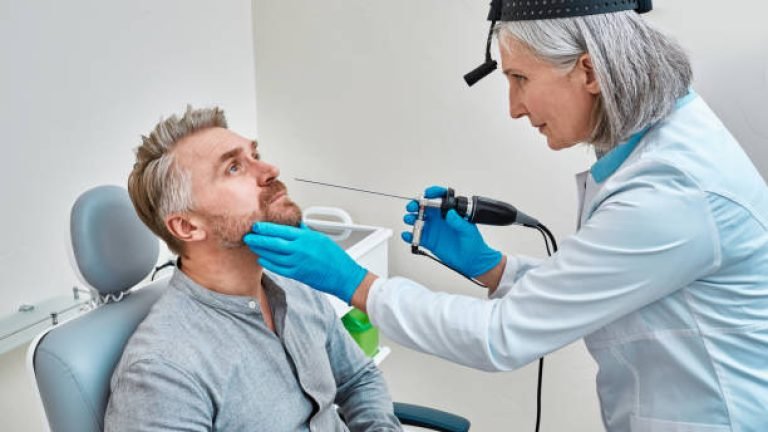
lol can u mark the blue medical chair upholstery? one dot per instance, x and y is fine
(73, 362)
(112, 251)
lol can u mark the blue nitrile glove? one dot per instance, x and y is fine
(455, 241)
(307, 256)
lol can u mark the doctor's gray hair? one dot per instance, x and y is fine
(158, 186)
(641, 72)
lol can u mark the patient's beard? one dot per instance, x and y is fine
(230, 229)
(284, 211)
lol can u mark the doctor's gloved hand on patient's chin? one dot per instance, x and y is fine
(457, 242)
(307, 256)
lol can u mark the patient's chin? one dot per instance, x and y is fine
(288, 213)
(229, 230)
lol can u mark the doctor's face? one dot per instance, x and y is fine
(558, 103)
(232, 187)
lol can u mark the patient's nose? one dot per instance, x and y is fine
(266, 173)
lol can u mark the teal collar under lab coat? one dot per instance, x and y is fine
(611, 161)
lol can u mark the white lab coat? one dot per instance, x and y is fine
(666, 279)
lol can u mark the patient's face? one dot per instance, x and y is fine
(231, 186)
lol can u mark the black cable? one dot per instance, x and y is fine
(169, 263)
(547, 234)
(538, 394)
(548, 238)
(419, 251)
(546, 230)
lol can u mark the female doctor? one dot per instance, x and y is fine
(666, 278)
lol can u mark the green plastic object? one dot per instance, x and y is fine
(363, 332)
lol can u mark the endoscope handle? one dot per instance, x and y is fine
(488, 211)
(484, 211)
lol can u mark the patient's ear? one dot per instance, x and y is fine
(185, 227)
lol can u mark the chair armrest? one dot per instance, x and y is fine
(415, 415)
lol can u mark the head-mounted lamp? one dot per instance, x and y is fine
(525, 10)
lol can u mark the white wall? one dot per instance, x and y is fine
(370, 94)
(80, 81)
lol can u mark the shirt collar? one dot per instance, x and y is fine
(232, 303)
(611, 161)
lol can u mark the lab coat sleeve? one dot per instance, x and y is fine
(652, 235)
(516, 267)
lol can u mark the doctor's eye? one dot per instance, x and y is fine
(519, 78)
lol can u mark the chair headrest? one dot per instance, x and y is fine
(112, 249)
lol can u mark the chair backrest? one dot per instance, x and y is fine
(73, 362)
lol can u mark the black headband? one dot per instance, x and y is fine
(522, 10)
(526, 10)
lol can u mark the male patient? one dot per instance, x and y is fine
(228, 347)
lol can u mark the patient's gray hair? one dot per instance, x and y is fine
(157, 186)
(641, 72)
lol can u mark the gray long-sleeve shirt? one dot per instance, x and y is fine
(204, 361)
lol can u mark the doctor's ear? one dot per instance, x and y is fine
(185, 227)
(587, 71)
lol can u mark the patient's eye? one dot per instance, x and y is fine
(256, 155)
(233, 168)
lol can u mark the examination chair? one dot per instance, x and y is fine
(112, 253)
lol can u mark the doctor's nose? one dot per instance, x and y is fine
(517, 113)
(516, 108)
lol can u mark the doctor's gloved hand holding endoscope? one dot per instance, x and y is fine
(665, 276)
(455, 241)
